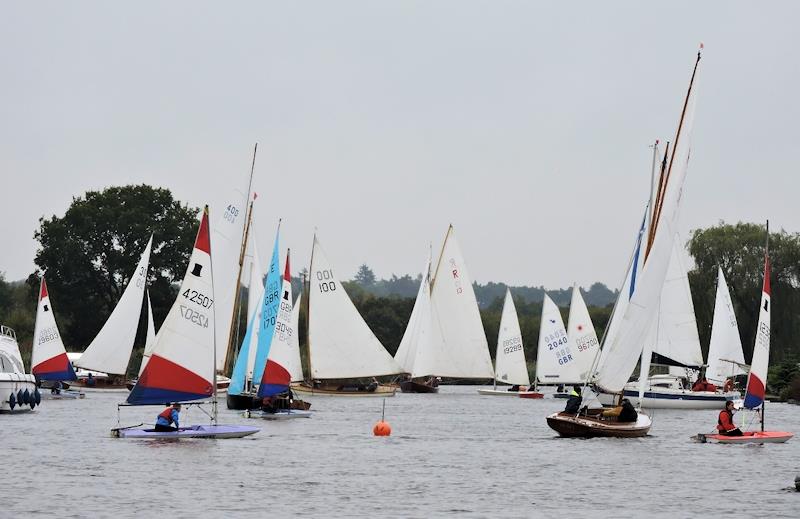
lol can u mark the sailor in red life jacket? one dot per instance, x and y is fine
(167, 417)
(725, 424)
(703, 385)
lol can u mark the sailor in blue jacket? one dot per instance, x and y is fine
(167, 417)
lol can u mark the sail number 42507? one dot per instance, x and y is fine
(196, 297)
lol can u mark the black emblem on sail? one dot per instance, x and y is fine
(46, 308)
(766, 306)
(285, 295)
(196, 270)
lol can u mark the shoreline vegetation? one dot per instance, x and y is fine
(90, 251)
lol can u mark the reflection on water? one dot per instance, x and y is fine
(455, 454)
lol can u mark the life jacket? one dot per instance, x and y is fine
(726, 423)
(166, 414)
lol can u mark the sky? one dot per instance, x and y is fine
(525, 124)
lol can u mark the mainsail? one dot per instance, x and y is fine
(110, 351)
(456, 314)
(340, 343)
(510, 366)
(296, 365)
(49, 357)
(726, 343)
(276, 377)
(756, 380)
(581, 335)
(556, 360)
(271, 301)
(150, 340)
(180, 368)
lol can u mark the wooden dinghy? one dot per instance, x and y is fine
(593, 425)
(359, 390)
(419, 386)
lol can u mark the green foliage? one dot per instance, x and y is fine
(739, 251)
(89, 254)
(364, 276)
(782, 374)
(17, 310)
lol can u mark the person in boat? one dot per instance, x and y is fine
(623, 413)
(373, 385)
(725, 424)
(56, 389)
(268, 405)
(574, 401)
(167, 418)
(515, 387)
(703, 385)
(90, 381)
(728, 387)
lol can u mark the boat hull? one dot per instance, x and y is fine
(305, 389)
(13, 383)
(592, 426)
(517, 394)
(748, 437)
(65, 394)
(674, 399)
(412, 386)
(247, 401)
(193, 431)
(282, 414)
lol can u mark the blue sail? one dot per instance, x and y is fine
(269, 312)
(239, 375)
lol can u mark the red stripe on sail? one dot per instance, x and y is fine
(203, 241)
(274, 373)
(43, 290)
(54, 364)
(161, 373)
(766, 275)
(287, 273)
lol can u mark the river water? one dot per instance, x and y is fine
(455, 454)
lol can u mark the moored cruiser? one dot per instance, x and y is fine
(18, 392)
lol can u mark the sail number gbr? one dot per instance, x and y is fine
(325, 281)
(196, 297)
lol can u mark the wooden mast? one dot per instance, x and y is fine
(308, 313)
(662, 187)
(229, 357)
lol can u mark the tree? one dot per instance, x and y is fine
(739, 250)
(89, 254)
(364, 277)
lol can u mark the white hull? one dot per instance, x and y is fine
(503, 392)
(666, 398)
(12, 383)
(66, 394)
(282, 414)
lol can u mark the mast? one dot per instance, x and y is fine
(766, 273)
(307, 287)
(229, 352)
(214, 317)
(657, 213)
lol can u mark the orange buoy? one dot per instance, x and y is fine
(382, 429)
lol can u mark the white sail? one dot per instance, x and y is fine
(296, 365)
(255, 294)
(581, 335)
(226, 242)
(422, 352)
(49, 359)
(341, 345)
(622, 353)
(110, 351)
(676, 335)
(150, 340)
(510, 366)
(456, 314)
(556, 363)
(726, 343)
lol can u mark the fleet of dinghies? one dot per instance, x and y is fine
(652, 323)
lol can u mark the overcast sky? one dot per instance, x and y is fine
(525, 124)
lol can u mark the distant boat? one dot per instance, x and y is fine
(183, 361)
(754, 398)
(342, 350)
(636, 310)
(18, 391)
(49, 361)
(108, 355)
(510, 366)
(455, 344)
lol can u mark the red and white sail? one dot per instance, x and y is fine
(49, 357)
(756, 381)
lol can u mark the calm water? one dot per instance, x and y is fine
(454, 454)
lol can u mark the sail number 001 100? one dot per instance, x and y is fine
(326, 282)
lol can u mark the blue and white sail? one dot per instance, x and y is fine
(269, 311)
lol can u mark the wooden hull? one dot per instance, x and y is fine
(412, 386)
(334, 390)
(748, 437)
(248, 401)
(571, 426)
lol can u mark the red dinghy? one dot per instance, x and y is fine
(748, 437)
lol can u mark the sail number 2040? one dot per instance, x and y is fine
(325, 280)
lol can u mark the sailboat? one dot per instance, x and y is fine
(510, 365)
(183, 361)
(274, 379)
(626, 345)
(106, 358)
(755, 393)
(341, 346)
(725, 354)
(18, 391)
(454, 345)
(49, 361)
